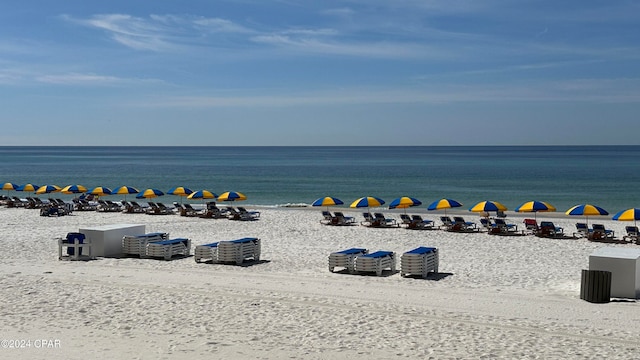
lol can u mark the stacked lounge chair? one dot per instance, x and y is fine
(345, 258)
(376, 262)
(137, 244)
(419, 261)
(168, 248)
(232, 251)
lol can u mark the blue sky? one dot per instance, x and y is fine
(361, 72)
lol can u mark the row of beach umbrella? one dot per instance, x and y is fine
(126, 190)
(533, 206)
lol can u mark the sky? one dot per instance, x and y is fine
(289, 73)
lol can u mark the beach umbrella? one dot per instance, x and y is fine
(535, 207)
(486, 206)
(27, 188)
(73, 189)
(47, 189)
(632, 214)
(125, 190)
(367, 201)
(201, 194)
(404, 202)
(586, 210)
(9, 186)
(327, 201)
(149, 194)
(180, 191)
(444, 204)
(232, 196)
(100, 191)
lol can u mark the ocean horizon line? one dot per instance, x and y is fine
(326, 146)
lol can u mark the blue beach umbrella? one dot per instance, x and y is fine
(232, 196)
(202, 194)
(632, 214)
(27, 188)
(586, 210)
(535, 207)
(47, 189)
(180, 191)
(9, 186)
(125, 190)
(327, 201)
(73, 189)
(100, 191)
(367, 201)
(443, 204)
(486, 206)
(149, 194)
(404, 202)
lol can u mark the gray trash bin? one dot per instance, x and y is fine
(596, 286)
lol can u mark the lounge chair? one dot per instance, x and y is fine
(549, 230)
(206, 252)
(369, 220)
(531, 225)
(599, 232)
(582, 230)
(52, 210)
(340, 219)
(237, 251)
(17, 202)
(447, 223)
(416, 222)
(419, 261)
(164, 209)
(376, 262)
(232, 213)
(188, 210)
(248, 215)
(327, 218)
(405, 220)
(211, 212)
(137, 244)
(384, 221)
(132, 207)
(166, 249)
(632, 234)
(345, 258)
(465, 225)
(486, 223)
(503, 227)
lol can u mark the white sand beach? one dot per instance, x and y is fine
(494, 297)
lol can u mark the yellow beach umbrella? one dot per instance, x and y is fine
(232, 196)
(73, 189)
(46, 189)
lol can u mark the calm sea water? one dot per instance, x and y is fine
(607, 176)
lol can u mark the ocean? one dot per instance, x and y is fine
(564, 176)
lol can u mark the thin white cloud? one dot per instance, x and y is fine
(89, 80)
(158, 32)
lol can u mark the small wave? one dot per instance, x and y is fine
(293, 205)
